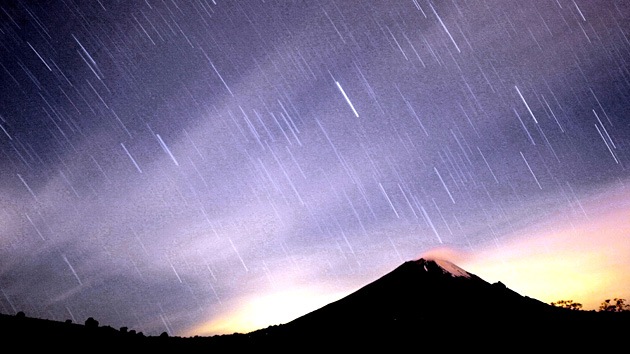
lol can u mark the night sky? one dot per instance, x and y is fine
(207, 166)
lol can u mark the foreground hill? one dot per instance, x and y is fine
(420, 304)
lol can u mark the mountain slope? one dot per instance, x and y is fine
(435, 301)
(421, 304)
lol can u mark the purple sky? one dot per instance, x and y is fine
(167, 164)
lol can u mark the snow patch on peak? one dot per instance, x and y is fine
(452, 268)
(446, 267)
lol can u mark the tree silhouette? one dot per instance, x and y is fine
(568, 304)
(91, 323)
(614, 305)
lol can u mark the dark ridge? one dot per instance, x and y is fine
(420, 304)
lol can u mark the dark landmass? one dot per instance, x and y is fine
(421, 305)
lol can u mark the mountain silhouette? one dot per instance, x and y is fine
(433, 301)
(424, 303)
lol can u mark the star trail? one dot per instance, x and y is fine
(167, 164)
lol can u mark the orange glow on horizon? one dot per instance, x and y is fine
(263, 310)
(588, 262)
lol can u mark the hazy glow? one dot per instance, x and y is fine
(263, 310)
(586, 262)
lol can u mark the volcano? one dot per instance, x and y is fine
(433, 301)
(421, 305)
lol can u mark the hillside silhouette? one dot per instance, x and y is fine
(422, 303)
